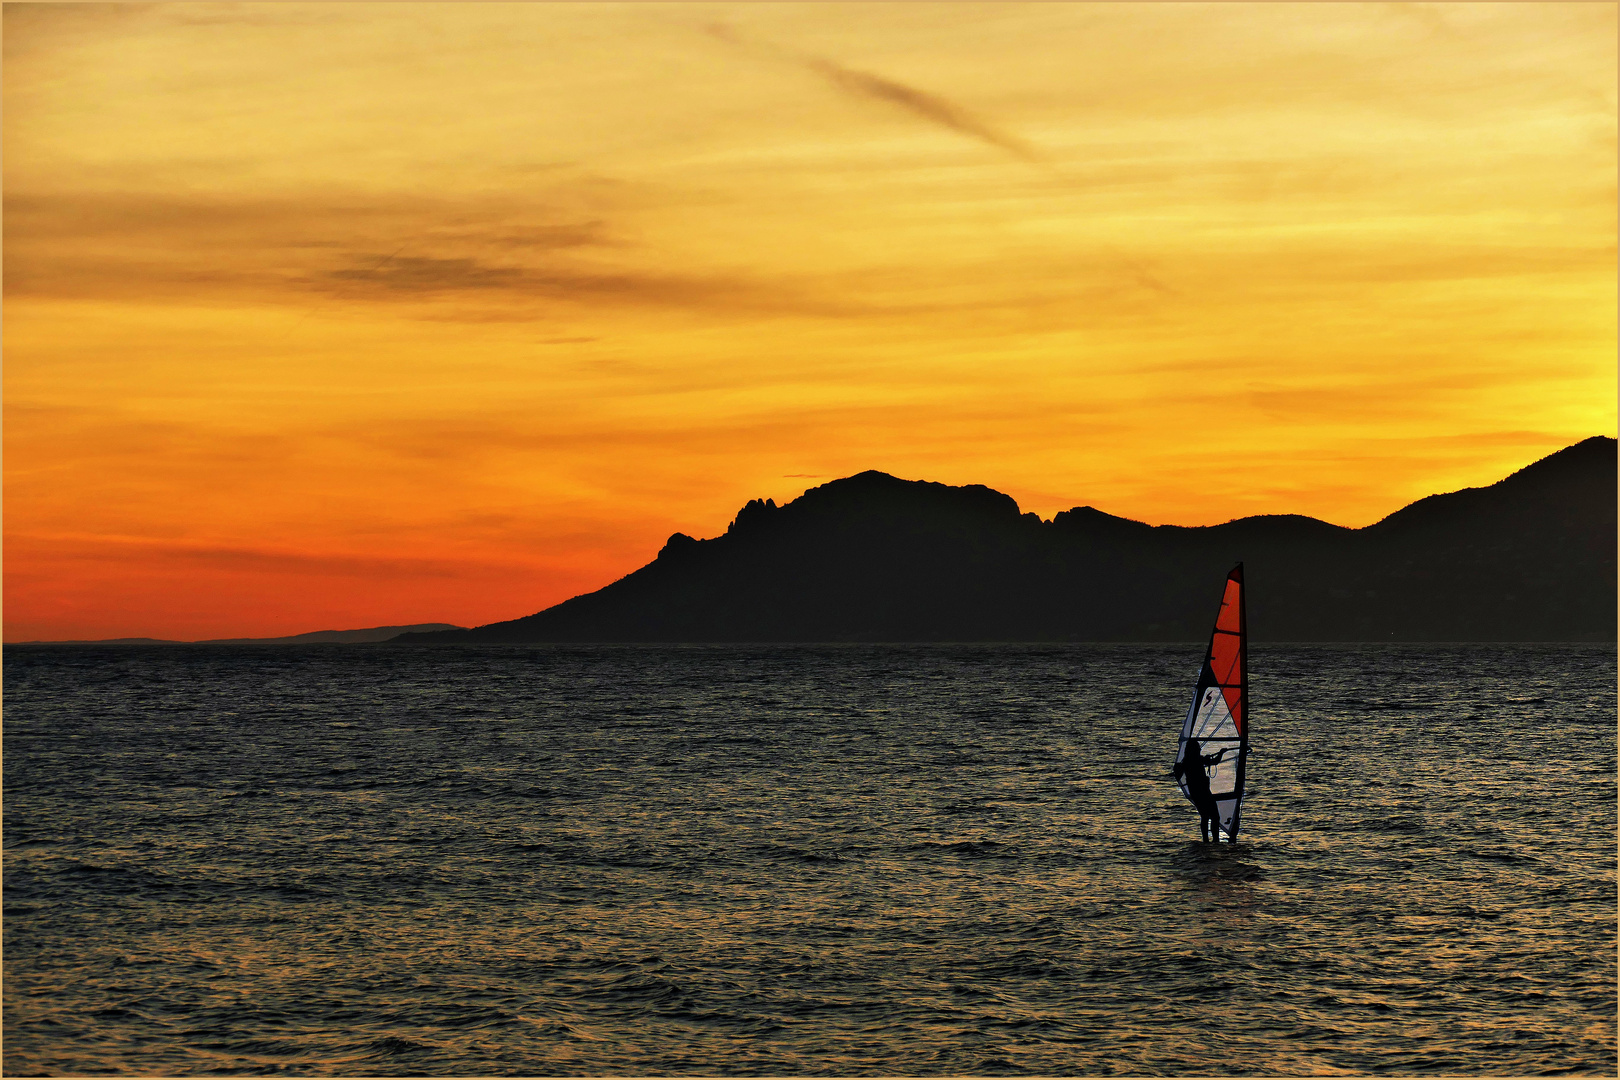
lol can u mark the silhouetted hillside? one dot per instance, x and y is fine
(875, 558)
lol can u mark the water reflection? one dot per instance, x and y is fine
(908, 860)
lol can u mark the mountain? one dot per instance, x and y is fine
(314, 637)
(875, 558)
(336, 637)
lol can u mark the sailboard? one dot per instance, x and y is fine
(1218, 720)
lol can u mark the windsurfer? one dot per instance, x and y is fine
(1191, 770)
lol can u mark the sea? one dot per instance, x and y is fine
(803, 860)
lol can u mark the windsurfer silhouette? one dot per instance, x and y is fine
(1191, 770)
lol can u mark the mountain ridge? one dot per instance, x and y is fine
(873, 557)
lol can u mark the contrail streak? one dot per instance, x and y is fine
(920, 103)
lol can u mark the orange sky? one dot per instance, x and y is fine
(338, 315)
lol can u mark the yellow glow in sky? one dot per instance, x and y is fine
(329, 315)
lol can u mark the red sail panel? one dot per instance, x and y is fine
(1226, 647)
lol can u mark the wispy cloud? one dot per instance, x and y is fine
(449, 260)
(90, 547)
(919, 103)
(418, 274)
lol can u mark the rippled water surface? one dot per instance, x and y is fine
(817, 860)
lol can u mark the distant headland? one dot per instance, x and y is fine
(314, 637)
(875, 558)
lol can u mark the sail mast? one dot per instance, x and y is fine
(1243, 695)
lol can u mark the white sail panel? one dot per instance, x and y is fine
(1210, 717)
(1223, 776)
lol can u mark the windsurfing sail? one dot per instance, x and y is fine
(1219, 717)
